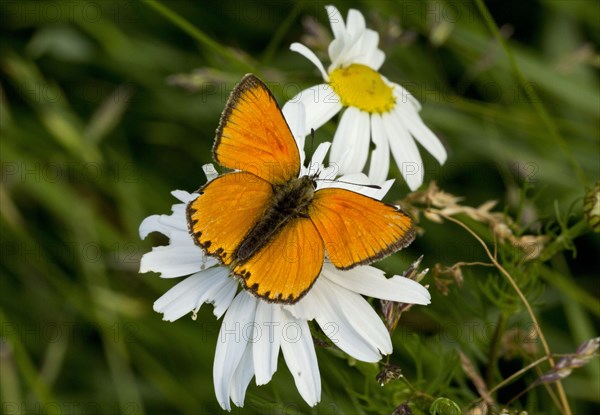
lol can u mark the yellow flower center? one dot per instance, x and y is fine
(361, 87)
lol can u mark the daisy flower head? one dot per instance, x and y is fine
(254, 331)
(374, 109)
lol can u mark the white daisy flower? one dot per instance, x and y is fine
(375, 108)
(253, 330)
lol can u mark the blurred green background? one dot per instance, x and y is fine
(107, 106)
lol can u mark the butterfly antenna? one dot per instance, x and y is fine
(370, 186)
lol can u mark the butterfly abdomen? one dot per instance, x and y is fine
(290, 201)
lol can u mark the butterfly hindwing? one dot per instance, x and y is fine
(357, 229)
(253, 135)
(227, 208)
(285, 268)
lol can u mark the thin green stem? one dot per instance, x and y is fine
(197, 34)
(494, 348)
(533, 97)
(561, 392)
(279, 34)
(415, 391)
(410, 385)
(518, 373)
(539, 372)
(558, 244)
(472, 264)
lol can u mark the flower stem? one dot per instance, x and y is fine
(558, 244)
(416, 392)
(197, 34)
(561, 392)
(494, 348)
(518, 373)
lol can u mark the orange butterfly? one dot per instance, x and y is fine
(272, 227)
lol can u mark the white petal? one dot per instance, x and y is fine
(319, 155)
(291, 113)
(182, 298)
(174, 225)
(340, 148)
(190, 293)
(355, 29)
(385, 188)
(353, 43)
(376, 59)
(335, 50)
(165, 224)
(299, 353)
(403, 96)
(358, 158)
(404, 150)
(316, 161)
(320, 102)
(184, 196)
(368, 53)
(364, 179)
(231, 344)
(350, 148)
(356, 23)
(266, 348)
(210, 172)
(337, 21)
(307, 308)
(354, 178)
(242, 377)
(222, 298)
(341, 315)
(366, 47)
(295, 116)
(370, 281)
(181, 256)
(310, 55)
(353, 182)
(174, 261)
(380, 157)
(368, 324)
(423, 134)
(341, 37)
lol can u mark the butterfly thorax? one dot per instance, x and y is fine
(290, 201)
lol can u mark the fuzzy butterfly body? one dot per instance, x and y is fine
(272, 227)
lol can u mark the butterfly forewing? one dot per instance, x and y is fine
(227, 208)
(253, 135)
(357, 229)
